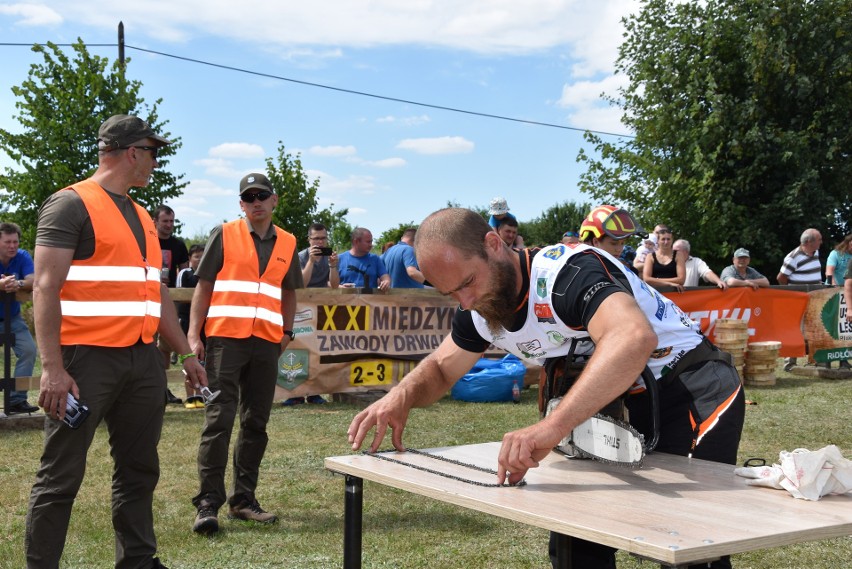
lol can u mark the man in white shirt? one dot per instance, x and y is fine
(696, 267)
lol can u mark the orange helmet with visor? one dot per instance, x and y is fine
(609, 220)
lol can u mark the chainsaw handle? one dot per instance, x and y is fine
(653, 389)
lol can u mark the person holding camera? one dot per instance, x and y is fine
(318, 259)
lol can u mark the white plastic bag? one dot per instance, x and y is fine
(805, 474)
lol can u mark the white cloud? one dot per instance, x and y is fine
(32, 14)
(218, 167)
(237, 150)
(586, 106)
(333, 151)
(320, 29)
(386, 163)
(405, 121)
(220, 159)
(438, 145)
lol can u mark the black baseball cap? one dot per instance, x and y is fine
(258, 181)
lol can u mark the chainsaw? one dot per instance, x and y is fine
(602, 437)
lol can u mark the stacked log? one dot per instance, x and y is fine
(731, 335)
(760, 363)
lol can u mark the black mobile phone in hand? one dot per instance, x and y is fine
(75, 412)
(325, 251)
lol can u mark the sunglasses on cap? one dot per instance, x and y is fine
(570, 234)
(262, 195)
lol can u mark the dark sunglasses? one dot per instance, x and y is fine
(152, 149)
(262, 196)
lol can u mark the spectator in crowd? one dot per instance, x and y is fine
(570, 237)
(250, 265)
(358, 267)
(186, 279)
(836, 271)
(838, 259)
(319, 270)
(175, 259)
(740, 274)
(508, 231)
(696, 267)
(401, 263)
(802, 267)
(605, 229)
(648, 246)
(98, 304)
(847, 291)
(628, 254)
(387, 245)
(175, 254)
(498, 210)
(16, 275)
(664, 267)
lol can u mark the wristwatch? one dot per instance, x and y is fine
(291, 334)
(20, 284)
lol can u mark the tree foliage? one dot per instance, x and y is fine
(548, 228)
(297, 202)
(60, 107)
(393, 234)
(742, 112)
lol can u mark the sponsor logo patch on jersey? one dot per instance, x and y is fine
(543, 313)
(661, 352)
(541, 287)
(531, 349)
(556, 338)
(555, 253)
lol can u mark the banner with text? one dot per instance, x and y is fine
(356, 342)
(772, 314)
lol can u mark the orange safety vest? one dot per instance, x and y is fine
(112, 299)
(245, 303)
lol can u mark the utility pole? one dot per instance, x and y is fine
(121, 57)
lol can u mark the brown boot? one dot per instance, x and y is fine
(251, 511)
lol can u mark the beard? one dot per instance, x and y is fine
(498, 306)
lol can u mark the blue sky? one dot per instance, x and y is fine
(387, 162)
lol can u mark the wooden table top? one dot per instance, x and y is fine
(674, 510)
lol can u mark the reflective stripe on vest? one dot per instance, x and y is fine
(245, 303)
(111, 299)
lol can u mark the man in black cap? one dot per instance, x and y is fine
(98, 303)
(246, 300)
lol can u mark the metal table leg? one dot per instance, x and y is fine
(563, 550)
(353, 512)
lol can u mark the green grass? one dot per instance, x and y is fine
(400, 529)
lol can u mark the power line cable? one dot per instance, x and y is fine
(348, 91)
